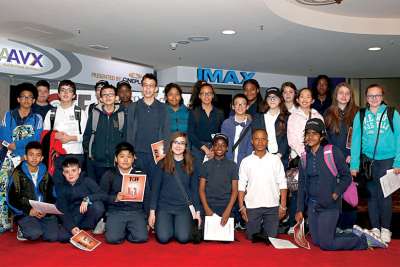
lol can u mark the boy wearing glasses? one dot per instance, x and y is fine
(148, 122)
(104, 130)
(67, 123)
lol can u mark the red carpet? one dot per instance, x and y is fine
(14, 253)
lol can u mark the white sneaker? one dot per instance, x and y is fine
(291, 231)
(386, 235)
(376, 232)
(20, 236)
(100, 227)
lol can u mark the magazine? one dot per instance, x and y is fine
(158, 151)
(133, 187)
(84, 241)
(299, 235)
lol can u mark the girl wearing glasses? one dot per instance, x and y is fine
(174, 190)
(377, 138)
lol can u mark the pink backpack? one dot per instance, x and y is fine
(350, 195)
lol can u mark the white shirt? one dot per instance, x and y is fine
(65, 122)
(262, 178)
(270, 127)
(238, 130)
(34, 176)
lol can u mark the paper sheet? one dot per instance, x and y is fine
(281, 243)
(44, 207)
(214, 231)
(390, 183)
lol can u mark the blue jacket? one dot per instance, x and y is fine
(178, 119)
(281, 137)
(339, 140)
(326, 183)
(21, 131)
(245, 147)
(389, 142)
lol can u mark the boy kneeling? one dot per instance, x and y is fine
(262, 183)
(125, 219)
(30, 181)
(79, 198)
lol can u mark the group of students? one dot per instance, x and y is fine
(232, 167)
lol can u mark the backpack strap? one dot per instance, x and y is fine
(121, 120)
(390, 114)
(77, 112)
(53, 111)
(95, 122)
(329, 159)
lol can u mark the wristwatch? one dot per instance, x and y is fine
(87, 200)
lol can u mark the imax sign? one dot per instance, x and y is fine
(223, 76)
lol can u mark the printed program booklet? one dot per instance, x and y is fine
(158, 151)
(299, 235)
(133, 187)
(84, 241)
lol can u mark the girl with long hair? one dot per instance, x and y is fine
(170, 214)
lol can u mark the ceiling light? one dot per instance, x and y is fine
(198, 38)
(319, 2)
(183, 42)
(375, 48)
(98, 46)
(228, 32)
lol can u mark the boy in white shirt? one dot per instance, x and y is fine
(69, 122)
(262, 188)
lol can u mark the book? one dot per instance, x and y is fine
(84, 241)
(299, 236)
(158, 151)
(133, 187)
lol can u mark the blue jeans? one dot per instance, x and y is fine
(322, 223)
(173, 224)
(130, 225)
(379, 207)
(33, 228)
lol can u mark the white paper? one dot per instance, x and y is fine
(44, 207)
(214, 231)
(281, 243)
(390, 183)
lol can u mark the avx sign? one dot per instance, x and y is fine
(21, 57)
(221, 76)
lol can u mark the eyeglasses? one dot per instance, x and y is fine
(374, 96)
(66, 90)
(272, 98)
(207, 94)
(179, 143)
(108, 95)
(25, 97)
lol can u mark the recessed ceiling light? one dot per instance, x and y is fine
(375, 48)
(198, 38)
(98, 46)
(183, 42)
(228, 32)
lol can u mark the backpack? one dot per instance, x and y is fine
(390, 114)
(95, 122)
(350, 195)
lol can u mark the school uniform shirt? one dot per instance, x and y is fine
(322, 106)
(65, 122)
(21, 131)
(219, 175)
(178, 119)
(41, 110)
(270, 119)
(389, 141)
(262, 179)
(340, 139)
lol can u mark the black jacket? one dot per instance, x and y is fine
(22, 189)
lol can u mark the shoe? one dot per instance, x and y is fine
(100, 227)
(291, 231)
(373, 241)
(376, 232)
(339, 231)
(20, 236)
(240, 227)
(358, 231)
(386, 235)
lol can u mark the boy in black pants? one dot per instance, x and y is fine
(218, 187)
(80, 199)
(30, 181)
(125, 220)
